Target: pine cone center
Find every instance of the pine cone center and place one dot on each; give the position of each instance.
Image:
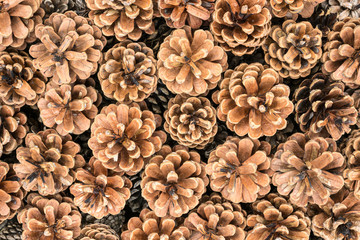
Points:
(240, 14)
(4, 7)
(344, 229)
(10, 76)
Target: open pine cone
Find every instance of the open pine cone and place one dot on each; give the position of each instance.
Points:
(252, 101)
(97, 232)
(189, 63)
(345, 8)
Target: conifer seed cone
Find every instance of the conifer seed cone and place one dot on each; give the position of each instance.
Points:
(97, 232)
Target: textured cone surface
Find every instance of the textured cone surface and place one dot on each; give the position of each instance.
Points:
(162, 30)
(345, 8)
(136, 202)
(61, 6)
(220, 137)
(281, 8)
(158, 100)
(11, 230)
(115, 222)
(98, 231)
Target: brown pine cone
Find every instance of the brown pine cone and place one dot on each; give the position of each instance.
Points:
(149, 226)
(13, 128)
(174, 181)
(217, 219)
(241, 26)
(70, 47)
(115, 222)
(293, 49)
(129, 72)
(282, 8)
(190, 63)
(61, 6)
(56, 218)
(323, 108)
(194, 12)
(345, 8)
(123, 136)
(47, 163)
(308, 170)
(238, 169)
(276, 218)
(68, 109)
(252, 101)
(123, 18)
(97, 232)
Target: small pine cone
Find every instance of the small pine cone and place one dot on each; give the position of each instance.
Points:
(97, 232)
(136, 202)
(68, 109)
(61, 6)
(159, 99)
(241, 177)
(13, 128)
(123, 136)
(252, 101)
(345, 8)
(123, 18)
(190, 63)
(55, 218)
(241, 26)
(70, 47)
(283, 8)
(149, 226)
(115, 222)
(47, 164)
(308, 170)
(129, 72)
(174, 181)
(191, 121)
(11, 230)
(276, 218)
(323, 108)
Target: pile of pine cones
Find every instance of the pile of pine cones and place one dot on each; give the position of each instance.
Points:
(179, 119)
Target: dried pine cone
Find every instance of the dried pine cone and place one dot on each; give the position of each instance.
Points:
(61, 6)
(115, 222)
(345, 8)
(11, 230)
(308, 170)
(281, 8)
(241, 26)
(70, 47)
(190, 63)
(293, 49)
(97, 232)
(275, 218)
(174, 181)
(252, 101)
(129, 72)
(47, 163)
(123, 136)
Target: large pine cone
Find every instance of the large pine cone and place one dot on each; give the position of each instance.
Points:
(129, 72)
(345, 8)
(174, 181)
(352, 171)
(97, 232)
(48, 161)
(323, 108)
(70, 47)
(190, 63)
(293, 49)
(275, 218)
(241, 26)
(309, 170)
(123, 136)
(252, 101)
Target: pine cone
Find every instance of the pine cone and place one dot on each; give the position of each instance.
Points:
(282, 8)
(123, 136)
(158, 100)
(136, 202)
(217, 219)
(149, 226)
(115, 222)
(356, 96)
(241, 26)
(13, 128)
(308, 170)
(190, 63)
(345, 8)
(252, 101)
(97, 232)
(70, 47)
(323, 108)
(12, 230)
(56, 218)
(47, 163)
(174, 181)
(129, 72)
(61, 6)
(123, 18)
(276, 218)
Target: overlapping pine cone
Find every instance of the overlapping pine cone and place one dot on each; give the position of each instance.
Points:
(174, 181)
(293, 49)
(190, 63)
(97, 232)
(191, 121)
(282, 8)
(54, 218)
(129, 72)
(149, 226)
(241, 26)
(193, 12)
(253, 101)
(124, 136)
(345, 8)
(123, 18)
(308, 170)
(275, 218)
(341, 57)
(323, 108)
(70, 47)
(47, 163)
(13, 128)
(238, 169)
